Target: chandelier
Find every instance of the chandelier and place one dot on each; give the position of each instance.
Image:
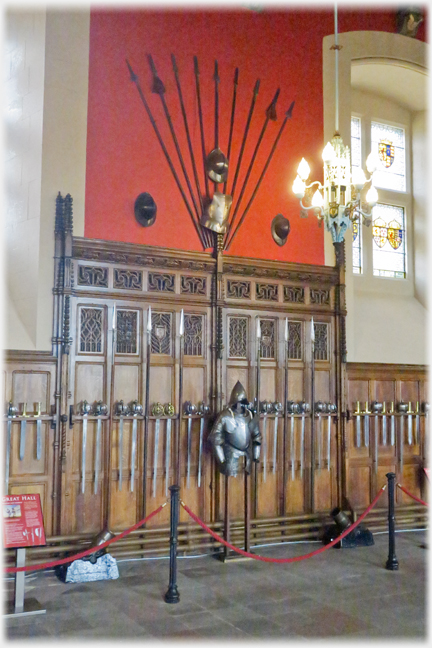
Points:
(347, 195)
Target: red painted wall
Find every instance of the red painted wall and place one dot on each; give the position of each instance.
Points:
(281, 48)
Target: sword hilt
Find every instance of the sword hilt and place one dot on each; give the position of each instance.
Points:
(24, 410)
(409, 410)
(392, 410)
(366, 410)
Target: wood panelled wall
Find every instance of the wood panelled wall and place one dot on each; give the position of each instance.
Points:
(101, 344)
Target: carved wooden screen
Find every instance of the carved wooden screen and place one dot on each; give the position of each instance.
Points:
(273, 294)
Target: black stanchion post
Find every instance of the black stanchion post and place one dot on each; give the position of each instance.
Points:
(392, 562)
(172, 595)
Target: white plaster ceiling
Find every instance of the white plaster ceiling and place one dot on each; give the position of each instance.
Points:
(406, 86)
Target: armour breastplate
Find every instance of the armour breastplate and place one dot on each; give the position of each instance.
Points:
(237, 432)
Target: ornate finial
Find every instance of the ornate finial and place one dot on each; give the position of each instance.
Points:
(59, 214)
(68, 211)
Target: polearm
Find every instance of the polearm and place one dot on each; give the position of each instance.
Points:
(231, 125)
(134, 78)
(203, 148)
(258, 385)
(216, 117)
(288, 115)
(189, 141)
(180, 400)
(285, 425)
(270, 115)
(146, 412)
(312, 438)
(245, 134)
(159, 89)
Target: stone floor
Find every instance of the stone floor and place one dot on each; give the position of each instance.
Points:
(341, 593)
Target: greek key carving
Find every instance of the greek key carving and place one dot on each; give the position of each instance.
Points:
(238, 289)
(238, 337)
(320, 296)
(294, 294)
(91, 330)
(266, 292)
(193, 335)
(193, 285)
(126, 331)
(93, 276)
(161, 282)
(128, 279)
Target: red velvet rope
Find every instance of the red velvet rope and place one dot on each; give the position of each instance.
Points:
(87, 551)
(411, 495)
(285, 560)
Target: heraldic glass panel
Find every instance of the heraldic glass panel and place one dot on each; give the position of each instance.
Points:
(388, 231)
(356, 142)
(388, 144)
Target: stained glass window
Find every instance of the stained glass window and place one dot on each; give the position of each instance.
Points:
(356, 161)
(388, 145)
(355, 142)
(388, 231)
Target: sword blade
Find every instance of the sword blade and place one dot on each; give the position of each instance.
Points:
(376, 443)
(292, 447)
(97, 455)
(83, 452)
(328, 441)
(358, 431)
(318, 438)
(38, 439)
(167, 454)
(302, 434)
(133, 452)
(384, 430)
(189, 449)
(275, 438)
(155, 455)
(410, 434)
(22, 440)
(120, 440)
(366, 430)
(8, 451)
(417, 429)
(201, 432)
(264, 442)
(392, 430)
(401, 443)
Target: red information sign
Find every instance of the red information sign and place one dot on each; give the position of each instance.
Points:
(22, 521)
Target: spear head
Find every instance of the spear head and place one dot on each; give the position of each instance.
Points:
(271, 110)
(133, 76)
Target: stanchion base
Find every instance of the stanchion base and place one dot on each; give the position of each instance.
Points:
(392, 564)
(31, 606)
(172, 595)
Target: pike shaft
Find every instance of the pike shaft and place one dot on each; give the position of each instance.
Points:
(287, 116)
(231, 124)
(203, 148)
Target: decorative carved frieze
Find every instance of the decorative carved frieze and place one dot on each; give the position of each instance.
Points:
(90, 340)
(193, 335)
(193, 285)
(321, 341)
(238, 289)
(266, 292)
(161, 333)
(294, 294)
(320, 296)
(128, 279)
(93, 276)
(161, 282)
(237, 334)
(127, 331)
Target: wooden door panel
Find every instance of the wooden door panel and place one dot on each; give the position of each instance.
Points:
(31, 387)
(89, 382)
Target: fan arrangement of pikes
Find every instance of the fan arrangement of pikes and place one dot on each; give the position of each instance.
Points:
(219, 212)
